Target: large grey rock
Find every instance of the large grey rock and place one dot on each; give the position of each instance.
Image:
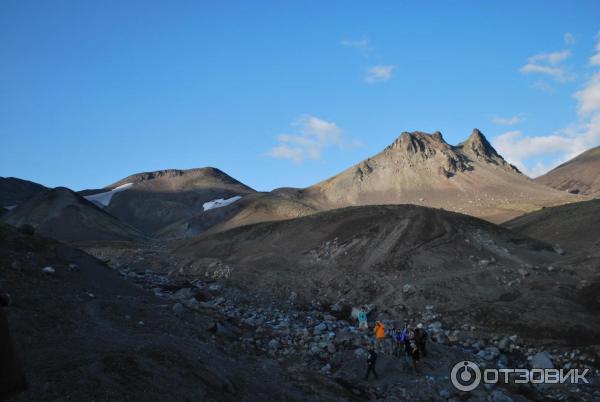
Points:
(542, 360)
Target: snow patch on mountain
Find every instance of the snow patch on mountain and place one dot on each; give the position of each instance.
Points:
(220, 202)
(103, 199)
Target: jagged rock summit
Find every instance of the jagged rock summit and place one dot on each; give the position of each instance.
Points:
(423, 169)
(478, 147)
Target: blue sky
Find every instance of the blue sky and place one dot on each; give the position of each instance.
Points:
(287, 93)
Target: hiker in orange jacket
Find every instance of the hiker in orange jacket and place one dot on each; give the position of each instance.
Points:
(379, 336)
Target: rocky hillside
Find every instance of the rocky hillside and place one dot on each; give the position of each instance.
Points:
(580, 175)
(15, 191)
(171, 202)
(573, 227)
(423, 169)
(85, 333)
(397, 257)
(64, 215)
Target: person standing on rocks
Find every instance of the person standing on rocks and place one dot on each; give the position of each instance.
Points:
(371, 360)
(421, 339)
(379, 336)
(397, 340)
(407, 337)
(362, 320)
(415, 355)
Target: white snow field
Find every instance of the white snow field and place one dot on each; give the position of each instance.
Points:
(103, 199)
(220, 202)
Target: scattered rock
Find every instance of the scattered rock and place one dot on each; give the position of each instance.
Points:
(499, 396)
(48, 270)
(326, 368)
(408, 289)
(504, 344)
(178, 309)
(331, 348)
(319, 328)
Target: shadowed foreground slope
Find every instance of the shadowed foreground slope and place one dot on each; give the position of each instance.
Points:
(83, 333)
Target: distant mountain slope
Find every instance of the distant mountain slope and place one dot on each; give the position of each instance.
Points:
(580, 175)
(64, 215)
(574, 226)
(165, 202)
(422, 169)
(15, 191)
(339, 247)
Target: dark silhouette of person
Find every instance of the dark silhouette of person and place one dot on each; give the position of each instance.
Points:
(12, 375)
(371, 360)
(421, 339)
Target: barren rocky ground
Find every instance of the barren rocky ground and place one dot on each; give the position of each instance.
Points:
(483, 292)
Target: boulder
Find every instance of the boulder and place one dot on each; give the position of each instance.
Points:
(541, 360)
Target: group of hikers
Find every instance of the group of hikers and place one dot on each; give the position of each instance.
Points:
(409, 341)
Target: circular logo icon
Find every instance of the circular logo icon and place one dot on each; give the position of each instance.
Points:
(465, 376)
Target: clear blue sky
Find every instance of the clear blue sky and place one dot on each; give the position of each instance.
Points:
(92, 91)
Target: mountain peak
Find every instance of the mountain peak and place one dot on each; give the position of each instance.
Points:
(478, 145)
(419, 142)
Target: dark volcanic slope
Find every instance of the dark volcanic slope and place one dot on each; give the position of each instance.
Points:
(579, 175)
(15, 191)
(84, 334)
(398, 257)
(165, 203)
(423, 169)
(575, 227)
(64, 215)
